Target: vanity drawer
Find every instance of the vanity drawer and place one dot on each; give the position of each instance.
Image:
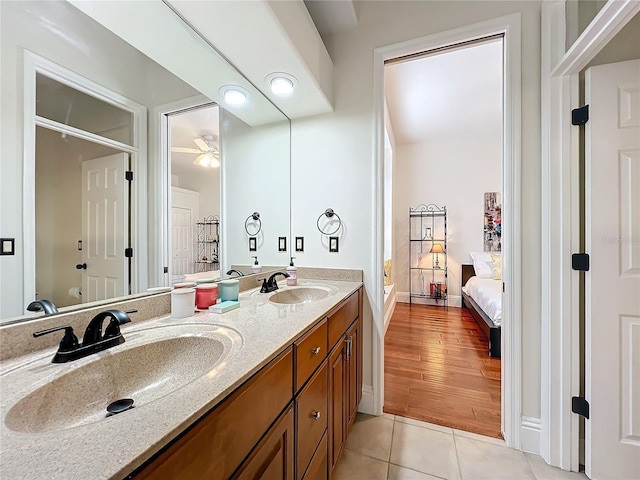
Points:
(218, 443)
(318, 466)
(310, 351)
(311, 418)
(341, 318)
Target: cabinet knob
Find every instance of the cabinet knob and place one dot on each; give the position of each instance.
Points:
(315, 351)
(315, 415)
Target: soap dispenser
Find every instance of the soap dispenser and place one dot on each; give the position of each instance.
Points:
(292, 270)
(256, 268)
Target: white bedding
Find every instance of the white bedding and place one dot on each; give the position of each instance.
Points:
(487, 293)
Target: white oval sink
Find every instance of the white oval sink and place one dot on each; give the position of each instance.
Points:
(157, 362)
(300, 295)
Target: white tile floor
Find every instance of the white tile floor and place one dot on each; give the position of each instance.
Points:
(397, 448)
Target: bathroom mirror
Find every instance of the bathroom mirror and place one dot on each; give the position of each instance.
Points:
(253, 146)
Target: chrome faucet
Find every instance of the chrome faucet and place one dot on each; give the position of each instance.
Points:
(93, 340)
(271, 285)
(233, 270)
(46, 305)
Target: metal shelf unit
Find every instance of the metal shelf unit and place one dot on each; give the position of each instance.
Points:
(428, 272)
(208, 244)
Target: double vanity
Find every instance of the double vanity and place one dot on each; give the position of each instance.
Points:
(268, 390)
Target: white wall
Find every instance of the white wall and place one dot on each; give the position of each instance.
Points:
(60, 33)
(452, 173)
(332, 155)
(255, 178)
(388, 196)
(207, 184)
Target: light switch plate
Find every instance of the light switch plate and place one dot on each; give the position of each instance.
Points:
(282, 244)
(333, 244)
(299, 244)
(7, 246)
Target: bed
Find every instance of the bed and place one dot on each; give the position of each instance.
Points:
(488, 293)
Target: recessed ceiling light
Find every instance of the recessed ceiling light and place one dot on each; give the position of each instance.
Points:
(234, 95)
(282, 84)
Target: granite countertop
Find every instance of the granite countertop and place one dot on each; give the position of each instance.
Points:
(104, 448)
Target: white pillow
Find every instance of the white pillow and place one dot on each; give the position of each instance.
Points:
(482, 264)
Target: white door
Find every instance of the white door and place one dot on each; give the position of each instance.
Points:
(181, 241)
(613, 282)
(105, 230)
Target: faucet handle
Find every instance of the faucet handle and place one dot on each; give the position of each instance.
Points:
(69, 341)
(118, 317)
(265, 287)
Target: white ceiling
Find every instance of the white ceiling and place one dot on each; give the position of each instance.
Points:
(332, 16)
(444, 92)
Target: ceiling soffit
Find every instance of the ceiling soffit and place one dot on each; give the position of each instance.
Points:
(261, 37)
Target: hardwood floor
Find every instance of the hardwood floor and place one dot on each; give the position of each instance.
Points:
(437, 369)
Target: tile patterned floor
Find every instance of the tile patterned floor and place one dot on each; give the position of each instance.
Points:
(391, 447)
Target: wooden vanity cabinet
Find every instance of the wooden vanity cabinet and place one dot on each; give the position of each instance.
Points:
(272, 459)
(345, 377)
(217, 444)
(289, 421)
(318, 466)
(311, 419)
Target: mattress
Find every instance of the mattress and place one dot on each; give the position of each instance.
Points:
(487, 293)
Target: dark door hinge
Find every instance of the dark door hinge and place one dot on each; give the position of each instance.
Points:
(128, 175)
(580, 262)
(580, 116)
(580, 406)
(128, 252)
(166, 269)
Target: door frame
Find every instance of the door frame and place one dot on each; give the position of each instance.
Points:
(560, 237)
(508, 26)
(33, 64)
(160, 186)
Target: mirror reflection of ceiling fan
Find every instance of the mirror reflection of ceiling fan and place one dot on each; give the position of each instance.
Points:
(208, 153)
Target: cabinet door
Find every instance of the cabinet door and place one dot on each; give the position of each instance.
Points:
(336, 404)
(352, 364)
(272, 459)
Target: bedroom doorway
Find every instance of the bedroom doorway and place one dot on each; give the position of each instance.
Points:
(444, 145)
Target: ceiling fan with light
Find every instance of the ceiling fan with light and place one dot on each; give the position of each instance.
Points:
(208, 153)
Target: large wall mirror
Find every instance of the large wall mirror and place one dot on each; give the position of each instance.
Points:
(83, 104)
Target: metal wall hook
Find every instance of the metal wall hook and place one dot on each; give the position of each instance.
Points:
(254, 217)
(329, 213)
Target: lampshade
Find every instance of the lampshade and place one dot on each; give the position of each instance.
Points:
(437, 248)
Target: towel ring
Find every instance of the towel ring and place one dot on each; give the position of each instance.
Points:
(329, 213)
(255, 216)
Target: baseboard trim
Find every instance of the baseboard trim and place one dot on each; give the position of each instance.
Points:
(454, 300)
(530, 435)
(366, 403)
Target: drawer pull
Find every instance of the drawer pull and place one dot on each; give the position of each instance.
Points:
(315, 351)
(315, 415)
